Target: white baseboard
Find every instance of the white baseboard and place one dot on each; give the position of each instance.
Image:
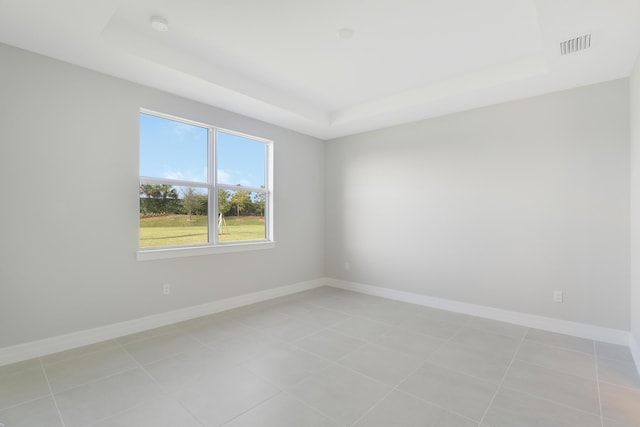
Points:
(634, 346)
(582, 330)
(21, 352)
(29, 350)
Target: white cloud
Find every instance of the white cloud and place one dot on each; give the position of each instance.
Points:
(224, 177)
(181, 129)
(174, 175)
(186, 176)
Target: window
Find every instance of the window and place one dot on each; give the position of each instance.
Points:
(202, 189)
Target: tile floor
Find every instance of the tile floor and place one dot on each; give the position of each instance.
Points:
(326, 358)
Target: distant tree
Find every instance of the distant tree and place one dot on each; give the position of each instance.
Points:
(190, 201)
(259, 200)
(159, 191)
(241, 199)
(158, 199)
(223, 202)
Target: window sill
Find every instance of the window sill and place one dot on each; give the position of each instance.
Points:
(165, 253)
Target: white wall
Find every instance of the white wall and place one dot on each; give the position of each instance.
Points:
(497, 206)
(69, 220)
(635, 209)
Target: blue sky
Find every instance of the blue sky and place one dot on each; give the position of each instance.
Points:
(176, 150)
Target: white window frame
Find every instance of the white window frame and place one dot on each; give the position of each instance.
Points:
(212, 185)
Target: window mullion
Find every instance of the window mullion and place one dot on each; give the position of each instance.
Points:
(213, 189)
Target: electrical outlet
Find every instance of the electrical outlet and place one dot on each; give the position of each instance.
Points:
(558, 296)
(347, 266)
(166, 289)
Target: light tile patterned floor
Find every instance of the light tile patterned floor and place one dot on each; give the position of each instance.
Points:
(327, 358)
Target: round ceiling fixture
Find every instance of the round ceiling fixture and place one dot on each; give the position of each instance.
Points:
(158, 23)
(345, 33)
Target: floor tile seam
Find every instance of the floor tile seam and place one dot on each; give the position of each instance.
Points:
(131, 353)
(324, 329)
(75, 359)
(353, 371)
(393, 389)
(120, 347)
(494, 332)
(475, 350)
(430, 335)
(375, 344)
(317, 410)
(281, 388)
(53, 397)
(242, 413)
(240, 316)
(394, 325)
(26, 402)
(34, 362)
(14, 374)
(166, 393)
(287, 343)
(160, 359)
(205, 343)
(620, 363)
(408, 353)
(179, 331)
(558, 371)
(138, 405)
(46, 364)
(86, 383)
(436, 405)
(554, 402)
(595, 352)
(615, 359)
(365, 343)
(490, 333)
(459, 372)
(500, 384)
(256, 406)
(213, 324)
(282, 392)
(635, 389)
(396, 388)
(330, 361)
(557, 345)
(214, 348)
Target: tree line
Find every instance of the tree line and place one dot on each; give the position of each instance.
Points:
(163, 199)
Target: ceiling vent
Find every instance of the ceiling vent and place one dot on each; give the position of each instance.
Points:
(576, 44)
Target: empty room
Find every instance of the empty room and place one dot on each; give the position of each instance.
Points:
(320, 214)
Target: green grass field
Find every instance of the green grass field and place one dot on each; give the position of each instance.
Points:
(179, 230)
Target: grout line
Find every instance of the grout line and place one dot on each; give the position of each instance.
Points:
(396, 387)
(553, 402)
(160, 386)
(184, 331)
(25, 402)
(53, 396)
(560, 347)
(250, 409)
(595, 353)
(316, 410)
(504, 377)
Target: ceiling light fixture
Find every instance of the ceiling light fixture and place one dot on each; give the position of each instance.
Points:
(345, 33)
(158, 23)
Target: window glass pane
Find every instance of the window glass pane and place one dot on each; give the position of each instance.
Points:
(241, 215)
(172, 149)
(240, 160)
(172, 215)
